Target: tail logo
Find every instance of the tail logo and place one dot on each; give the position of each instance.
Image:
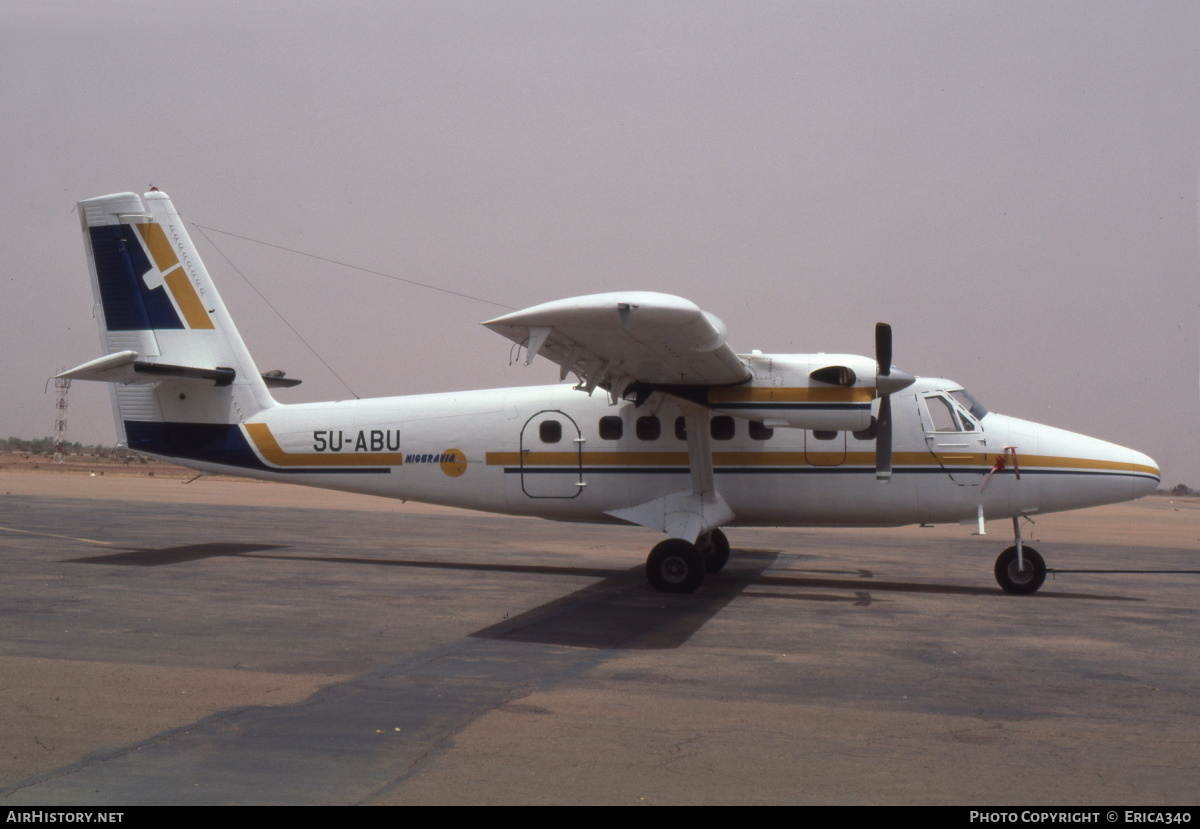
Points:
(143, 285)
(174, 276)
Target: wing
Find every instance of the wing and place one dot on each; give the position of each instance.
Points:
(612, 340)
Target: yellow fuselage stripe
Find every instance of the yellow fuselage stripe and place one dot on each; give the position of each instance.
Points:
(271, 452)
(770, 394)
(791, 459)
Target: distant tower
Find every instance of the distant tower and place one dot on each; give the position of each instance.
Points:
(60, 419)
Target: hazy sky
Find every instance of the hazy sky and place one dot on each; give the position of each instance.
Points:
(1012, 185)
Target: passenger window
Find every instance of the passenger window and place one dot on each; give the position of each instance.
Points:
(824, 434)
(681, 427)
(648, 428)
(721, 427)
(611, 428)
(760, 432)
(550, 431)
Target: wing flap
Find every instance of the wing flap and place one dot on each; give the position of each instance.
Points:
(617, 338)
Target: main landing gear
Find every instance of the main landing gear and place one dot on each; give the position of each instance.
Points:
(678, 566)
(1020, 570)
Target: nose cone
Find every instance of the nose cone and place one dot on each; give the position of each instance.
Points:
(1151, 477)
(1072, 470)
(1111, 473)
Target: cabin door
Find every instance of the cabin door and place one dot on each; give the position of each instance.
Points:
(551, 456)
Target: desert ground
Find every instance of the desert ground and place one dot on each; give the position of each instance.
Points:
(176, 641)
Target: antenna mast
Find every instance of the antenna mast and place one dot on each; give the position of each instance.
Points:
(63, 385)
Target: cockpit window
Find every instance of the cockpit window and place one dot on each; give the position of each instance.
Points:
(964, 398)
(942, 414)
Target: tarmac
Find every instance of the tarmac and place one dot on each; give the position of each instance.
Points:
(232, 642)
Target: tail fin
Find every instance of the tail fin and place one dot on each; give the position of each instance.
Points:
(171, 349)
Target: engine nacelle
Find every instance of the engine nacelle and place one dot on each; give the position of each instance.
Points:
(830, 392)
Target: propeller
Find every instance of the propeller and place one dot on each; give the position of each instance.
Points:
(888, 381)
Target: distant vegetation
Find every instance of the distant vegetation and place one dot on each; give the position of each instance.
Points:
(45, 446)
(1179, 489)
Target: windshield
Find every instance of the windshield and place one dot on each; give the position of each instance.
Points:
(964, 398)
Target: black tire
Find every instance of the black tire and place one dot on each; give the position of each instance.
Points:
(716, 554)
(675, 566)
(1019, 582)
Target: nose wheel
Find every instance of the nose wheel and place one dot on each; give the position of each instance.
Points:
(1020, 580)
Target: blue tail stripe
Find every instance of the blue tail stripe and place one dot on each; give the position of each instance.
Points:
(120, 265)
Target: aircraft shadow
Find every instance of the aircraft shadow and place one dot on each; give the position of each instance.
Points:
(142, 557)
(623, 611)
(620, 610)
(871, 586)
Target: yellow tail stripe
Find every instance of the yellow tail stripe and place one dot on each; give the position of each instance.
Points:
(160, 249)
(188, 301)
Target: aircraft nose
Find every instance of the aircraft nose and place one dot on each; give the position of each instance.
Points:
(1149, 481)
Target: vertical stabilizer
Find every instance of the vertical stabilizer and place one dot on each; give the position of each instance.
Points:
(171, 350)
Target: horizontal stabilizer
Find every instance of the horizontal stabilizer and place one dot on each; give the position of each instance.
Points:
(125, 367)
(113, 368)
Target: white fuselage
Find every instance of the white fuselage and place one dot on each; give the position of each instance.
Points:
(489, 450)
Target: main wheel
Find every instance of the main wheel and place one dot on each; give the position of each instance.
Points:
(675, 566)
(716, 554)
(1021, 582)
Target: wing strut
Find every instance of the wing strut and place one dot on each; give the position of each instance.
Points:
(690, 513)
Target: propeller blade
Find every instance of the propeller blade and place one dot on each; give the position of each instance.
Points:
(883, 441)
(883, 348)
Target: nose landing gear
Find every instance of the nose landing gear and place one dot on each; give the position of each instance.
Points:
(1015, 579)
(1020, 570)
